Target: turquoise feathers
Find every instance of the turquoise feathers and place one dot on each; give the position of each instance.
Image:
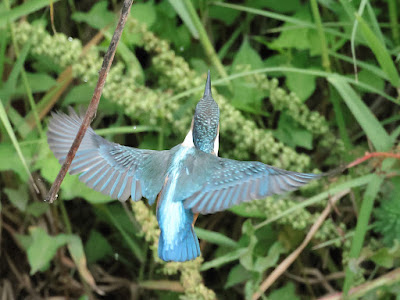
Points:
(185, 180)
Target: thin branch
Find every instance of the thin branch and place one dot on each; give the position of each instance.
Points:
(359, 291)
(284, 265)
(94, 103)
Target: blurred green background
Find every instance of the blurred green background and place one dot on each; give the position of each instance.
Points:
(302, 85)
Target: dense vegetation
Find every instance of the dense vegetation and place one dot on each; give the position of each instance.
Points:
(302, 85)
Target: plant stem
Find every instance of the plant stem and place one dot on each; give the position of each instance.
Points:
(324, 49)
(205, 41)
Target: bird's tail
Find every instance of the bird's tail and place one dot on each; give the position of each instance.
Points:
(186, 249)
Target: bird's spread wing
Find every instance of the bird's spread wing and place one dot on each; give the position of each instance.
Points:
(107, 167)
(229, 182)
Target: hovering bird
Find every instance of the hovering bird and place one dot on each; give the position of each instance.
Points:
(186, 180)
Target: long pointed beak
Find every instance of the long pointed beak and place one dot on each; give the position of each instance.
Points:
(207, 90)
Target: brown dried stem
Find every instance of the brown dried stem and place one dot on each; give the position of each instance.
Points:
(94, 103)
(284, 265)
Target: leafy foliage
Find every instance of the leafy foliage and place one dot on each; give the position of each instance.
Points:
(286, 87)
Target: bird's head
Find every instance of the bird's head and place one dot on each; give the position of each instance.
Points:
(206, 122)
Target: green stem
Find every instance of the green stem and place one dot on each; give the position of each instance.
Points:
(324, 49)
(394, 24)
(65, 217)
(205, 41)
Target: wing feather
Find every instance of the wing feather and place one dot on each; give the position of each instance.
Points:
(107, 167)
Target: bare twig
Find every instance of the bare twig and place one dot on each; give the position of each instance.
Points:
(94, 103)
(284, 265)
(369, 155)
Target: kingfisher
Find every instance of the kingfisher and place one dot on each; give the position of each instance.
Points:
(185, 181)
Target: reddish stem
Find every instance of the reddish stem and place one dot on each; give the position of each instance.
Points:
(369, 155)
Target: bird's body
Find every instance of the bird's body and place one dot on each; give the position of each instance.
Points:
(186, 180)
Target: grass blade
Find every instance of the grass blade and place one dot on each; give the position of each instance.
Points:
(368, 122)
(215, 238)
(6, 122)
(183, 13)
(380, 52)
(362, 227)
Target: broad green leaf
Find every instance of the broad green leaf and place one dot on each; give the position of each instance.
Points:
(145, 13)
(287, 292)
(181, 10)
(303, 85)
(37, 209)
(215, 238)
(39, 82)
(43, 248)
(22, 10)
(245, 93)
(274, 252)
(368, 122)
(380, 52)
(292, 134)
(98, 17)
(383, 258)
(19, 198)
(97, 247)
(237, 274)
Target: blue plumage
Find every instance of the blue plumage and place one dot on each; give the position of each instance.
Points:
(186, 180)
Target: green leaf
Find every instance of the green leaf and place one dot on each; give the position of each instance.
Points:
(98, 17)
(215, 238)
(220, 13)
(19, 198)
(39, 82)
(37, 209)
(370, 79)
(237, 274)
(383, 258)
(97, 247)
(224, 259)
(287, 292)
(303, 85)
(274, 252)
(380, 52)
(144, 13)
(22, 10)
(368, 122)
(245, 93)
(290, 133)
(43, 248)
